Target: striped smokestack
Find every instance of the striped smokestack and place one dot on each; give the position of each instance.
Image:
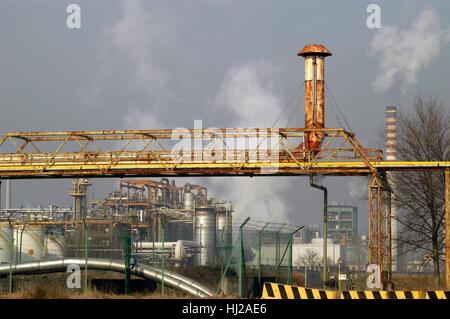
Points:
(391, 155)
(391, 133)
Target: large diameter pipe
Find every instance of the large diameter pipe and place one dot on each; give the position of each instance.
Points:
(170, 279)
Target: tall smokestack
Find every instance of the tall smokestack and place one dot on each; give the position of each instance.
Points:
(391, 133)
(391, 155)
(314, 55)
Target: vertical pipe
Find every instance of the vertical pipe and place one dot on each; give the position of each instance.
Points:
(325, 227)
(447, 228)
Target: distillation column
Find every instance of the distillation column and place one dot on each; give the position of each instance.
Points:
(314, 55)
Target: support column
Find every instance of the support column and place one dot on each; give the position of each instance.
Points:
(447, 228)
(370, 220)
(389, 236)
(379, 229)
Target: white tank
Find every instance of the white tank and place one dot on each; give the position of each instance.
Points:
(29, 243)
(55, 246)
(188, 200)
(5, 236)
(205, 234)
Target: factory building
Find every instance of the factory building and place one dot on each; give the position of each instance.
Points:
(342, 223)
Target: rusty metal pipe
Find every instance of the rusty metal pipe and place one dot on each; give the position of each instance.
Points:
(314, 55)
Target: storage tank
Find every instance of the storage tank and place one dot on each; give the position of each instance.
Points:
(205, 234)
(30, 242)
(6, 233)
(55, 246)
(188, 200)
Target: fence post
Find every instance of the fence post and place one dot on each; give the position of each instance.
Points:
(291, 241)
(163, 254)
(127, 255)
(85, 233)
(221, 250)
(259, 255)
(11, 256)
(241, 258)
(153, 242)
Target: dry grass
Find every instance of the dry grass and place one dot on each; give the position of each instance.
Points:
(45, 291)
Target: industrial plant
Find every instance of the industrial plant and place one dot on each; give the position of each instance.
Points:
(178, 221)
(153, 228)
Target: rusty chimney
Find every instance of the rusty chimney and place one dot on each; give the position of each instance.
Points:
(314, 55)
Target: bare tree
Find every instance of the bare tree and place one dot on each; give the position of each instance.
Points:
(422, 135)
(310, 259)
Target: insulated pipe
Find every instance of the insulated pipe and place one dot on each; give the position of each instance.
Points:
(314, 55)
(171, 279)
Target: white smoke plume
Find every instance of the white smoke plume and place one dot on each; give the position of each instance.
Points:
(358, 189)
(404, 53)
(249, 92)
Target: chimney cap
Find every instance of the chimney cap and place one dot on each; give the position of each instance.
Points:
(391, 108)
(314, 49)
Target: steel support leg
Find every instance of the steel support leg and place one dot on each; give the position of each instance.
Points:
(447, 228)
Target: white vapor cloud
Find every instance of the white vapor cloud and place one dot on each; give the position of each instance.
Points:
(404, 53)
(358, 189)
(249, 92)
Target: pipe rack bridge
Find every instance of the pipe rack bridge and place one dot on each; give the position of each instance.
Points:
(170, 278)
(192, 152)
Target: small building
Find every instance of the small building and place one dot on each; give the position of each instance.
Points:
(342, 223)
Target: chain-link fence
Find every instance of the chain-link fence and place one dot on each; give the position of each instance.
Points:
(233, 260)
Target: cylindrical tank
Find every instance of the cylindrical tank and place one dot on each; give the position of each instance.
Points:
(55, 246)
(188, 200)
(29, 242)
(6, 234)
(205, 234)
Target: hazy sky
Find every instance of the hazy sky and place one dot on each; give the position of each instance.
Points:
(155, 64)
